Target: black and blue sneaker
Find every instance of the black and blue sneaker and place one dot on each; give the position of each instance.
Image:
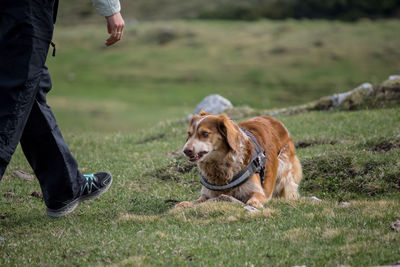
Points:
(93, 186)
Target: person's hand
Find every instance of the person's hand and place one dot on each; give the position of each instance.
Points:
(115, 27)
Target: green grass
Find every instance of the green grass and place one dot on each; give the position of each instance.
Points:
(134, 223)
(121, 109)
(261, 64)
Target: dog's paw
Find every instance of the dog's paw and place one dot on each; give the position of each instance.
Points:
(184, 204)
(254, 202)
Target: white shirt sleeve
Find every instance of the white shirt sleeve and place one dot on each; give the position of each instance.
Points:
(107, 7)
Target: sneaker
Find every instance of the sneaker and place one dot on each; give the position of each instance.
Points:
(94, 185)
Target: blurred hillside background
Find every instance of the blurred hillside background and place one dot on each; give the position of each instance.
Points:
(259, 53)
(349, 10)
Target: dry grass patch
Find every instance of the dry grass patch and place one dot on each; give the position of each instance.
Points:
(160, 234)
(264, 213)
(376, 209)
(328, 212)
(210, 212)
(350, 249)
(329, 233)
(301, 235)
(138, 218)
(131, 261)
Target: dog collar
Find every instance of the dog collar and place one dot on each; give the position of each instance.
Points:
(256, 165)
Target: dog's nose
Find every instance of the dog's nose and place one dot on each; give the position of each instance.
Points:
(188, 152)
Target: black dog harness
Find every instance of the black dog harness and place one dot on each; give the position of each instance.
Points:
(256, 165)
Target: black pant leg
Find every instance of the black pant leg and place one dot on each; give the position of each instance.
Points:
(24, 114)
(21, 61)
(47, 152)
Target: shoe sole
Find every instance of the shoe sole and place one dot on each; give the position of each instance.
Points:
(73, 204)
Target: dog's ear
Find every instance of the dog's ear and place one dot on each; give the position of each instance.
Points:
(229, 131)
(203, 113)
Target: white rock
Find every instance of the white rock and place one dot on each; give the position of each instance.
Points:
(213, 104)
(313, 198)
(394, 77)
(251, 209)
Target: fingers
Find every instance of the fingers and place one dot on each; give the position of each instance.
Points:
(115, 26)
(119, 33)
(111, 40)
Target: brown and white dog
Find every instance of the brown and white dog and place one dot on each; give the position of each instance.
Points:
(221, 149)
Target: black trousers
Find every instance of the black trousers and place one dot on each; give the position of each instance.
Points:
(26, 28)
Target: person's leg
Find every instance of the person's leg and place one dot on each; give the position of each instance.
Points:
(22, 58)
(47, 152)
(24, 81)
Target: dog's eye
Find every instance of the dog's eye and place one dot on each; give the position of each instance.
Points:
(204, 134)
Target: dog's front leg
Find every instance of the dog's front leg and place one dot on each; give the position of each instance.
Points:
(185, 204)
(256, 200)
(257, 197)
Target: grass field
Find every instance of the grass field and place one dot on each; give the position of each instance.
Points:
(122, 110)
(260, 64)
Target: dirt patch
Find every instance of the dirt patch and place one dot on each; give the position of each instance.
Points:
(37, 194)
(278, 50)
(383, 145)
(304, 144)
(174, 170)
(343, 176)
(395, 226)
(9, 195)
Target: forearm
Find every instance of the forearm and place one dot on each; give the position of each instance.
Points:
(107, 7)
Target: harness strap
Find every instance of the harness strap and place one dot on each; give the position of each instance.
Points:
(256, 165)
(259, 157)
(47, 40)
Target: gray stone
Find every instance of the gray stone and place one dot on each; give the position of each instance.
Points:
(337, 99)
(214, 104)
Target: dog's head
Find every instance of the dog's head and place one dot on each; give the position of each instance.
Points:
(211, 136)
